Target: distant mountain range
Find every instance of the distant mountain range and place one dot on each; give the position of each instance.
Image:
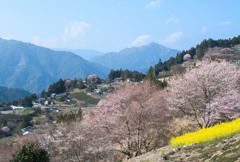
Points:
(12, 94)
(33, 68)
(84, 53)
(135, 58)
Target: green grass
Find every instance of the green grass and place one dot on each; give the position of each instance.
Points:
(28, 111)
(82, 96)
(74, 110)
(70, 103)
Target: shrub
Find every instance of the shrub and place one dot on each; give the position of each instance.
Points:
(30, 153)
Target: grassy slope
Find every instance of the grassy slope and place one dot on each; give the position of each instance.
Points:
(225, 150)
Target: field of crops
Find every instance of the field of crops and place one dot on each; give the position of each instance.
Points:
(82, 96)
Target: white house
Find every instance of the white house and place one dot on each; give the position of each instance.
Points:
(17, 107)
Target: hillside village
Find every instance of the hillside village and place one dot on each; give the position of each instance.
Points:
(148, 105)
(77, 94)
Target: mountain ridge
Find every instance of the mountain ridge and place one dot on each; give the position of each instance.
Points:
(84, 53)
(33, 68)
(135, 58)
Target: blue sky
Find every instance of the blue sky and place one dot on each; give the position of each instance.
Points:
(111, 25)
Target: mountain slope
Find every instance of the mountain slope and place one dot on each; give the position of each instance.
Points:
(24, 65)
(136, 58)
(84, 53)
(12, 94)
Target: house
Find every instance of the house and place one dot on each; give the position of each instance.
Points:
(36, 104)
(48, 102)
(53, 95)
(27, 130)
(106, 80)
(117, 79)
(128, 80)
(99, 91)
(63, 95)
(40, 100)
(58, 96)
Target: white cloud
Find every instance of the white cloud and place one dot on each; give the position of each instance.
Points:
(153, 4)
(204, 29)
(225, 23)
(73, 30)
(76, 28)
(173, 19)
(141, 40)
(172, 38)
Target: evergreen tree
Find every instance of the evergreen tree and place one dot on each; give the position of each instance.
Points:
(200, 53)
(151, 73)
(43, 94)
(58, 87)
(26, 102)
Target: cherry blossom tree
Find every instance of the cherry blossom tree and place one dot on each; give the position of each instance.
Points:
(129, 120)
(201, 92)
(226, 108)
(66, 142)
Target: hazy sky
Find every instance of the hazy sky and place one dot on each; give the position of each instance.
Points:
(111, 25)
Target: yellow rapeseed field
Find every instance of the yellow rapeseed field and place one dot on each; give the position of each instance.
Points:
(208, 134)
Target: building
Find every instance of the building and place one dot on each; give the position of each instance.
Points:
(27, 130)
(17, 107)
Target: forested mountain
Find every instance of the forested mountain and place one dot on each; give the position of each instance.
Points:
(33, 68)
(135, 58)
(195, 53)
(12, 94)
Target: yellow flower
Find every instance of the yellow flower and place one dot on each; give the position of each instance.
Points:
(208, 134)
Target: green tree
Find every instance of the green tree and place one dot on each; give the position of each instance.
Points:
(33, 96)
(200, 53)
(151, 73)
(30, 153)
(26, 102)
(26, 121)
(81, 85)
(58, 87)
(43, 94)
